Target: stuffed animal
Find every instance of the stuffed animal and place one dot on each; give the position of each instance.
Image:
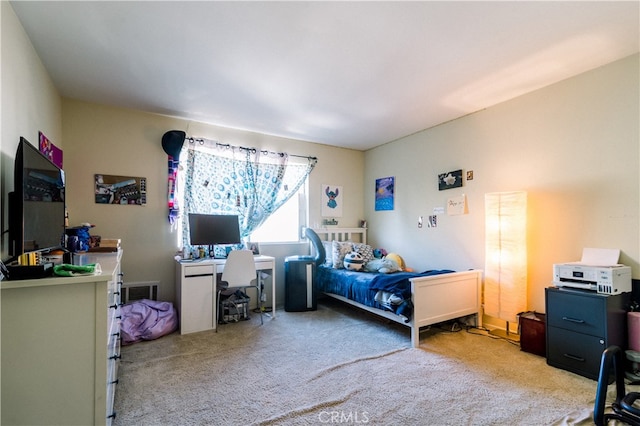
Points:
(400, 261)
(384, 266)
(353, 261)
(396, 258)
(379, 253)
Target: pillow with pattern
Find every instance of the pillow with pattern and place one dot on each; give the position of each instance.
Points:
(339, 250)
(364, 250)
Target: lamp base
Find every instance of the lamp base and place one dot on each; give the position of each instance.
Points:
(505, 335)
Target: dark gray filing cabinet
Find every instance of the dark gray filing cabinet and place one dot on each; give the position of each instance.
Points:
(581, 324)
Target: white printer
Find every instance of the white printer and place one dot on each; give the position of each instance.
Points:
(614, 279)
(598, 270)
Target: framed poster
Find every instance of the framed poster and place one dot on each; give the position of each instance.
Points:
(332, 201)
(450, 180)
(122, 190)
(385, 190)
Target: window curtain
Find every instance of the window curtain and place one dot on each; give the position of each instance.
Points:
(223, 179)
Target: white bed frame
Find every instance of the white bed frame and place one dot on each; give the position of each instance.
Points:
(435, 298)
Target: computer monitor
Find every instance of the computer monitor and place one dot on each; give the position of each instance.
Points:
(213, 229)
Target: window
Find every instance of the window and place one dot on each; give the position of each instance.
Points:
(220, 179)
(284, 225)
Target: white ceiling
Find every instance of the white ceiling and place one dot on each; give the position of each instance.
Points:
(351, 74)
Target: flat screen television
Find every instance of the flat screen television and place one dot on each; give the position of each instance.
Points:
(37, 203)
(213, 229)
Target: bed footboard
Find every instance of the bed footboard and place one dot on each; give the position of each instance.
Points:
(445, 297)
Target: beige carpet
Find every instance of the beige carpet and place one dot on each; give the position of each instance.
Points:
(339, 365)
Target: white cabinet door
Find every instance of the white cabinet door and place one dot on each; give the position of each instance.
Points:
(198, 313)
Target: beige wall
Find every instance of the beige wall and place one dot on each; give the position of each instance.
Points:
(100, 139)
(105, 140)
(30, 102)
(573, 146)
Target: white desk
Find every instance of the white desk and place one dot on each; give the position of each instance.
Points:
(196, 291)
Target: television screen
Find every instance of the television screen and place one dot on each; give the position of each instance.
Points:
(37, 205)
(213, 229)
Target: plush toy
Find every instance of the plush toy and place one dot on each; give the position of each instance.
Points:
(353, 261)
(384, 266)
(396, 258)
(379, 253)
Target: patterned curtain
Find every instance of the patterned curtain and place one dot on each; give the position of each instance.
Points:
(222, 179)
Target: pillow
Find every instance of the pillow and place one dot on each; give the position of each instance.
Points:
(339, 250)
(364, 250)
(328, 253)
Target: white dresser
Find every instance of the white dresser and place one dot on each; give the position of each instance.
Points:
(61, 347)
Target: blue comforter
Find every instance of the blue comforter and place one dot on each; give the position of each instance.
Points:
(398, 282)
(362, 287)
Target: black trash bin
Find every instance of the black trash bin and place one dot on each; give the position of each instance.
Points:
(299, 286)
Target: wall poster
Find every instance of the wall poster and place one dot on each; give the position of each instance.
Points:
(122, 190)
(331, 201)
(450, 180)
(385, 190)
(457, 205)
(49, 150)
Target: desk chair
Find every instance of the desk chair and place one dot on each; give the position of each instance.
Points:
(624, 410)
(240, 272)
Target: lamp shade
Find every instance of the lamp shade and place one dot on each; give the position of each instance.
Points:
(505, 281)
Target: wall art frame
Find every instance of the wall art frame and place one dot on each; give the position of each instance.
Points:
(385, 193)
(450, 180)
(122, 190)
(332, 196)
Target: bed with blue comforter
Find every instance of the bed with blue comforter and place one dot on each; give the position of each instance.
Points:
(414, 299)
(390, 292)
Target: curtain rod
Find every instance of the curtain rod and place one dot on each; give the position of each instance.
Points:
(202, 141)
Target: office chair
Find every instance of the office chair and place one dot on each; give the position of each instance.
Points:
(623, 407)
(240, 272)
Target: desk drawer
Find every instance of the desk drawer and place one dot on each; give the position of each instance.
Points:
(577, 312)
(265, 264)
(198, 270)
(260, 265)
(576, 352)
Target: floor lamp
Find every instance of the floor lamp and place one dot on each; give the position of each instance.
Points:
(505, 280)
